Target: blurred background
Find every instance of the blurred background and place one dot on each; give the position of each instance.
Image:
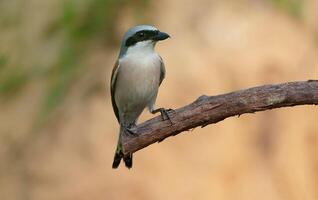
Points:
(58, 132)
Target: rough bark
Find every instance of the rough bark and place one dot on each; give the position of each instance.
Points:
(212, 109)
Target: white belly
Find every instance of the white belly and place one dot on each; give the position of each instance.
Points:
(136, 85)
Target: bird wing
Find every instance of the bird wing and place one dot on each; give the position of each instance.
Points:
(112, 88)
(162, 71)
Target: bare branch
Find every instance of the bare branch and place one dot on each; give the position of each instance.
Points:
(212, 109)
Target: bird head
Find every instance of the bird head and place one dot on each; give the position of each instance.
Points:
(141, 37)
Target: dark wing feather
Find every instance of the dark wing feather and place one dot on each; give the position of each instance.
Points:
(162, 71)
(112, 88)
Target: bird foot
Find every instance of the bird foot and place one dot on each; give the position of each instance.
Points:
(164, 113)
(130, 129)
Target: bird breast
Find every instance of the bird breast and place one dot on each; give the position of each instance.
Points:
(137, 81)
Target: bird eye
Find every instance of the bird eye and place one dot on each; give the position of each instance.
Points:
(141, 34)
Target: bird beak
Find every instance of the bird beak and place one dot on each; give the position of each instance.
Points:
(161, 36)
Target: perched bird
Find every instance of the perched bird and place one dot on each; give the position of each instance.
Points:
(136, 77)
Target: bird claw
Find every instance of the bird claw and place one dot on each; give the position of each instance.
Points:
(131, 129)
(164, 113)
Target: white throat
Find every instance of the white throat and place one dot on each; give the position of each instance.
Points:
(143, 48)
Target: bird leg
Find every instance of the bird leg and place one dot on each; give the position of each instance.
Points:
(164, 113)
(131, 129)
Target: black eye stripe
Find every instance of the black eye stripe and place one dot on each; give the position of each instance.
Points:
(140, 36)
(148, 32)
(130, 41)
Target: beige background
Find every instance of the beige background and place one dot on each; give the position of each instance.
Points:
(216, 47)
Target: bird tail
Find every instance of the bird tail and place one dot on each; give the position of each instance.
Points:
(128, 159)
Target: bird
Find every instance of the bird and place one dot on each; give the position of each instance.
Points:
(137, 74)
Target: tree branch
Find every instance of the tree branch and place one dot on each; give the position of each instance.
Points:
(212, 109)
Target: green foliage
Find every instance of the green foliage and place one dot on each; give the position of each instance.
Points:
(293, 7)
(11, 81)
(3, 62)
(80, 23)
(97, 19)
(79, 27)
(60, 79)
